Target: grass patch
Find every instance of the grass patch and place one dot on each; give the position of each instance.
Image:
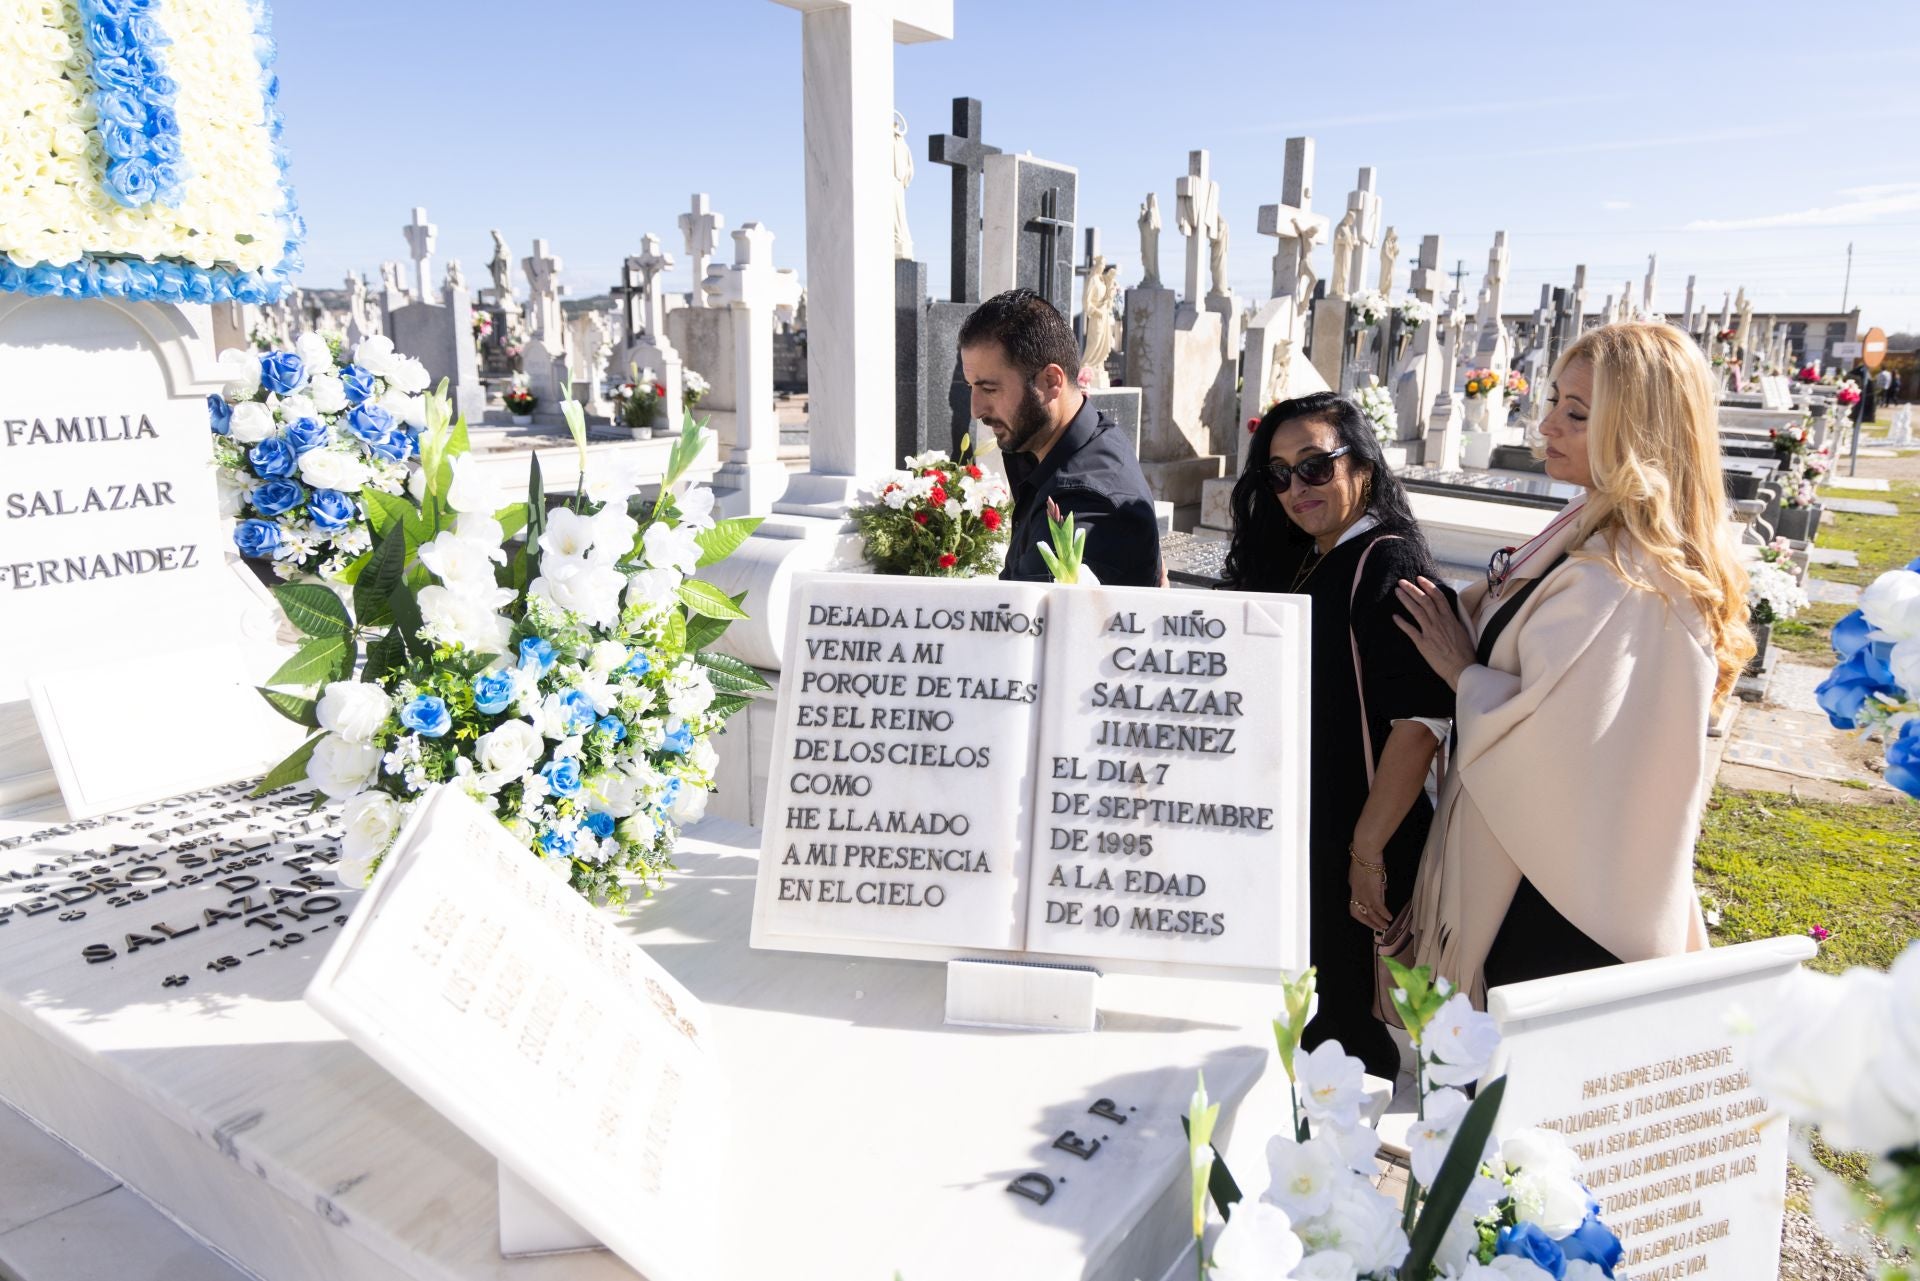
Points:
(1881, 542)
(1773, 865)
(1807, 634)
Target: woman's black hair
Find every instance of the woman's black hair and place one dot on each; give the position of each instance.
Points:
(1263, 534)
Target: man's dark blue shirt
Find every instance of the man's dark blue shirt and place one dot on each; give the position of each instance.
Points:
(1091, 471)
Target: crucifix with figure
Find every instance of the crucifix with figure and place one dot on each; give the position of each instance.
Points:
(967, 155)
(1292, 222)
(642, 270)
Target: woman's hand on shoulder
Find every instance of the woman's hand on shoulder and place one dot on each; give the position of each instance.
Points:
(1436, 629)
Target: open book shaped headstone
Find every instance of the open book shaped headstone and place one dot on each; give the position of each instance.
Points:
(525, 1016)
(1015, 771)
(1641, 1069)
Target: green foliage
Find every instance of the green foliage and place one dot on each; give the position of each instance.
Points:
(725, 538)
(1456, 1174)
(705, 599)
(319, 660)
(314, 609)
(291, 770)
(301, 711)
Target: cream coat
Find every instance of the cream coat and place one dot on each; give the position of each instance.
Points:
(1580, 764)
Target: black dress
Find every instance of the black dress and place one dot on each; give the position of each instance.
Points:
(1400, 685)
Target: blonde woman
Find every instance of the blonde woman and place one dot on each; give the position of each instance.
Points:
(1564, 837)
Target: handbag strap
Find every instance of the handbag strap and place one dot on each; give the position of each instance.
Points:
(1483, 653)
(1353, 642)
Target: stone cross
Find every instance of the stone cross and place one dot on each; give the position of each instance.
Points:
(420, 236)
(753, 291)
(967, 155)
(647, 265)
(1198, 211)
(847, 119)
(543, 301)
(1689, 321)
(1293, 220)
(1424, 281)
(1646, 287)
(701, 227)
(1366, 205)
(1051, 227)
(1579, 298)
(1495, 291)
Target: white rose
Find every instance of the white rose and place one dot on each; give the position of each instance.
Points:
(689, 804)
(1363, 1223)
(409, 375)
(252, 422)
(232, 488)
(369, 822)
(1905, 662)
(1554, 1201)
(1257, 1244)
(639, 828)
(1891, 604)
(328, 392)
(240, 370)
(341, 769)
(1304, 1176)
(464, 564)
(297, 406)
(469, 491)
(467, 618)
(653, 587)
(703, 757)
(613, 534)
(568, 534)
(410, 410)
(376, 356)
(605, 656)
(613, 794)
(354, 710)
(332, 469)
(672, 547)
(696, 507)
(314, 353)
(583, 588)
(509, 750)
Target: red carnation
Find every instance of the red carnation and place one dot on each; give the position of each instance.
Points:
(938, 497)
(920, 518)
(973, 471)
(948, 560)
(990, 517)
(1253, 425)
(659, 389)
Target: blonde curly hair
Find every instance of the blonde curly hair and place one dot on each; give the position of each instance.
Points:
(1654, 446)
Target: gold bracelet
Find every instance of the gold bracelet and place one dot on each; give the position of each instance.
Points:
(1381, 868)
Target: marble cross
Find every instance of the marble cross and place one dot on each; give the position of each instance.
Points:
(543, 302)
(1198, 212)
(1366, 206)
(1579, 298)
(1689, 325)
(1494, 292)
(1293, 220)
(648, 264)
(967, 155)
(1646, 288)
(701, 227)
(1424, 283)
(421, 235)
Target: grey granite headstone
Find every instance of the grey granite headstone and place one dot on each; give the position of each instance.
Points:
(948, 409)
(963, 150)
(910, 369)
(1027, 241)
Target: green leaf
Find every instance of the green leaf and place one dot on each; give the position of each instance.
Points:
(301, 711)
(314, 609)
(702, 632)
(704, 598)
(1220, 1181)
(724, 539)
(291, 770)
(407, 620)
(725, 668)
(676, 638)
(376, 582)
(385, 656)
(350, 574)
(536, 508)
(316, 662)
(384, 510)
(512, 518)
(685, 450)
(1456, 1174)
(725, 705)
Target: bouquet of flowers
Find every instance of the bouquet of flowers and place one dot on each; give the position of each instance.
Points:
(1473, 1210)
(1840, 1052)
(939, 518)
(299, 441)
(1481, 381)
(1777, 552)
(1369, 307)
(1809, 373)
(1849, 393)
(1773, 593)
(482, 326)
(1874, 687)
(639, 399)
(518, 399)
(1516, 385)
(1415, 313)
(1790, 439)
(693, 389)
(1376, 402)
(560, 683)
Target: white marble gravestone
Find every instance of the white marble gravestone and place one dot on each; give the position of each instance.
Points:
(1641, 1070)
(113, 555)
(1016, 771)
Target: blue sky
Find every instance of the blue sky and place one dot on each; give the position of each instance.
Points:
(1746, 149)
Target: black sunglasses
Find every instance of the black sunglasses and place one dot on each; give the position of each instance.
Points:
(1317, 470)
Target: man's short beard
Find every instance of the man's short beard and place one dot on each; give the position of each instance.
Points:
(1030, 421)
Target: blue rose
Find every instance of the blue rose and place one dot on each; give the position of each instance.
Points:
(282, 372)
(330, 510)
(256, 538)
(613, 727)
(1593, 1242)
(395, 447)
(639, 665)
(45, 282)
(358, 382)
(679, 739)
(123, 108)
(601, 825)
(1852, 683)
(1529, 1242)
(1903, 759)
(307, 433)
(278, 496)
(370, 423)
(132, 181)
(536, 651)
(123, 142)
(580, 711)
(272, 457)
(164, 150)
(160, 122)
(563, 776)
(159, 90)
(557, 844)
(672, 793)
(110, 37)
(1850, 634)
(493, 692)
(426, 715)
(115, 73)
(219, 414)
(143, 28)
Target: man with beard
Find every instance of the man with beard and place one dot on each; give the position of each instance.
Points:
(1020, 359)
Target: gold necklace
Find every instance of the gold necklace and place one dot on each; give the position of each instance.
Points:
(1300, 577)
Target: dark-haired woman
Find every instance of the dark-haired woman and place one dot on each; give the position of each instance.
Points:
(1317, 512)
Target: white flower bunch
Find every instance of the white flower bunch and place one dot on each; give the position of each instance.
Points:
(1370, 307)
(1376, 402)
(1415, 313)
(1773, 593)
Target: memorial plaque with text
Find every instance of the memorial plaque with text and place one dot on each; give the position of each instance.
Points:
(1639, 1069)
(526, 1016)
(988, 768)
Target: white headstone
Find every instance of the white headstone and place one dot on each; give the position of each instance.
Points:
(1365, 205)
(752, 290)
(421, 236)
(1198, 212)
(701, 226)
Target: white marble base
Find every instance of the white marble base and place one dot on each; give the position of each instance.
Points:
(1033, 998)
(531, 1225)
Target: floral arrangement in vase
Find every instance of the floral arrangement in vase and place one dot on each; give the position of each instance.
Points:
(1773, 593)
(1790, 439)
(1808, 373)
(938, 518)
(1849, 393)
(300, 440)
(1415, 313)
(1515, 386)
(1369, 306)
(519, 400)
(482, 326)
(1376, 402)
(562, 683)
(1473, 1210)
(638, 399)
(1481, 382)
(693, 389)
(1873, 689)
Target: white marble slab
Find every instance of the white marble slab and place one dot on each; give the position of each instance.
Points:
(1640, 1070)
(862, 1136)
